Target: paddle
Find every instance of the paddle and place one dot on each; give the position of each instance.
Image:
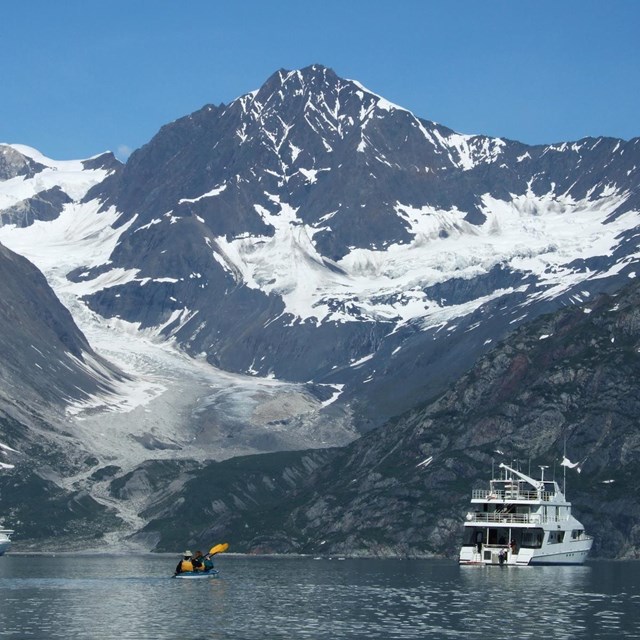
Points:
(219, 548)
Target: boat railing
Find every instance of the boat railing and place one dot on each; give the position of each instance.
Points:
(512, 518)
(511, 494)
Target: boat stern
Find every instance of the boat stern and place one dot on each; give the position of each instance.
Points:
(495, 555)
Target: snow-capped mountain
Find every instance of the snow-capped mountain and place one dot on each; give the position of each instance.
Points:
(313, 231)
(280, 271)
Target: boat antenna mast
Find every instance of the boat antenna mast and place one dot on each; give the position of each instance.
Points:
(564, 467)
(537, 484)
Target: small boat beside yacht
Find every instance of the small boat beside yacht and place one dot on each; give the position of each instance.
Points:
(5, 540)
(522, 521)
(5, 534)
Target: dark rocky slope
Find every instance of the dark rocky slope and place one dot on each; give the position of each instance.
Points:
(43, 354)
(45, 363)
(569, 377)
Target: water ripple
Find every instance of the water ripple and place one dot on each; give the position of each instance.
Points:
(106, 598)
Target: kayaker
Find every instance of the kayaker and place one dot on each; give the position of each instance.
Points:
(185, 564)
(207, 563)
(196, 561)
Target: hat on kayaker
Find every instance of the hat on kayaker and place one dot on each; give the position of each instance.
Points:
(187, 554)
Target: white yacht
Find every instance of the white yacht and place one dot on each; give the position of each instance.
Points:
(522, 521)
(5, 540)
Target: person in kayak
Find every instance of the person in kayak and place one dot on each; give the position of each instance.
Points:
(185, 564)
(196, 561)
(207, 563)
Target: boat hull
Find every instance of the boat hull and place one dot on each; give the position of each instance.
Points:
(567, 557)
(575, 554)
(197, 575)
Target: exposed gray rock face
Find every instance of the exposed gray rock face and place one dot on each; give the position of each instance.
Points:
(105, 161)
(46, 205)
(14, 164)
(44, 354)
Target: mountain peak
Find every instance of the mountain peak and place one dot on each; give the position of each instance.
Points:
(311, 75)
(316, 101)
(307, 82)
(320, 80)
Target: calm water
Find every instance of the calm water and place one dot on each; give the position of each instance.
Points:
(116, 597)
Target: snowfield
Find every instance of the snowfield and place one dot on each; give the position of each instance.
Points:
(173, 406)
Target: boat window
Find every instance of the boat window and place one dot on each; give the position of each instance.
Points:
(556, 537)
(532, 538)
(577, 533)
(472, 537)
(493, 536)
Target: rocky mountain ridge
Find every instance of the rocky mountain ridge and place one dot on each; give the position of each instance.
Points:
(45, 357)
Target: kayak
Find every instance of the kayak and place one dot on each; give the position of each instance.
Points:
(196, 575)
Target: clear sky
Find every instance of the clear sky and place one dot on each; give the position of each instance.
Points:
(78, 77)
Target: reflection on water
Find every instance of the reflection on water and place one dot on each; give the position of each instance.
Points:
(533, 598)
(133, 598)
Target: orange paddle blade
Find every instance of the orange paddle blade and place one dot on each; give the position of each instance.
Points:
(219, 548)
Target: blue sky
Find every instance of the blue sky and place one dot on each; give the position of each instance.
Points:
(79, 77)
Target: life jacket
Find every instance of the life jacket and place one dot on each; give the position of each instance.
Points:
(186, 565)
